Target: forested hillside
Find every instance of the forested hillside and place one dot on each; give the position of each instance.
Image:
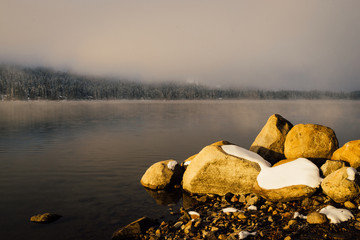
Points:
(21, 83)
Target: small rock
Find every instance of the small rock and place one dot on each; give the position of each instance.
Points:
(306, 202)
(349, 205)
(357, 225)
(331, 166)
(45, 218)
(178, 224)
(242, 198)
(316, 218)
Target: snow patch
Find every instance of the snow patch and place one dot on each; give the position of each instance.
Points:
(230, 210)
(245, 234)
(298, 215)
(336, 215)
(193, 213)
(298, 172)
(187, 163)
(171, 165)
(246, 154)
(252, 207)
(351, 172)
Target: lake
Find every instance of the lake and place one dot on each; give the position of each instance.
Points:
(84, 160)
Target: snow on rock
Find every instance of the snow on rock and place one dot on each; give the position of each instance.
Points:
(298, 172)
(351, 172)
(245, 234)
(187, 163)
(194, 215)
(230, 210)
(298, 215)
(336, 215)
(252, 207)
(246, 154)
(171, 165)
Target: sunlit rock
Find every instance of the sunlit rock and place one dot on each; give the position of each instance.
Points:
(350, 153)
(45, 218)
(269, 143)
(221, 168)
(310, 141)
(162, 175)
(342, 185)
(331, 166)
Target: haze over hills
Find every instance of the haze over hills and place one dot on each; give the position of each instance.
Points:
(24, 83)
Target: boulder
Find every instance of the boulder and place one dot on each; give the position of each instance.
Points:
(342, 185)
(214, 171)
(331, 166)
(134, 229)
(350, 153)
(310, 141)
(287, 181)
(162, 174)
(45, 218)
(269, 143)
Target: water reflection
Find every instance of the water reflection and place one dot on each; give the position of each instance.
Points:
(165, 197)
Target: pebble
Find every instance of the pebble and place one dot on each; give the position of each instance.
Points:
(349, 205)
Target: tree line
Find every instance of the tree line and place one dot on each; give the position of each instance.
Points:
(24, 83)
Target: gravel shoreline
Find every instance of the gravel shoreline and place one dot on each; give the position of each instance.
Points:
(269, 220)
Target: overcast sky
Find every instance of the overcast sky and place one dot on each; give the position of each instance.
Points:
(287, 44)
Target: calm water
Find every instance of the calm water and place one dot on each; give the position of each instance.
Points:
(84, 160)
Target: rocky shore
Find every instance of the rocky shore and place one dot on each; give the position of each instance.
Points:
(293, 183)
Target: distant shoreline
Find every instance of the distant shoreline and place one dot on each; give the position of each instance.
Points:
(21, 83)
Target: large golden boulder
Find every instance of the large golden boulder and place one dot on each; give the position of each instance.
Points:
(219, 169)
(269, 143)
(350, 153)
(162, 174)
(310, 141)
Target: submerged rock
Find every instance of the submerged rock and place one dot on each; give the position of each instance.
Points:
(134, 229)
(310, 141)
(269, 143)
(350, 153)
(217, 172)
(162, 175)
(45, 218)
(342, 185)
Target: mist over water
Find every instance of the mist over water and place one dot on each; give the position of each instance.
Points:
(301, 45)
(84, 160)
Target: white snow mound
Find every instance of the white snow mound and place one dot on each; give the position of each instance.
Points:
(194, 213)
(298, 215)
(230, 210)
(246, 154)
(245, 234)
(252, 207)
(336, 215)
(171, 165)
(298, 172)
(351, 172)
